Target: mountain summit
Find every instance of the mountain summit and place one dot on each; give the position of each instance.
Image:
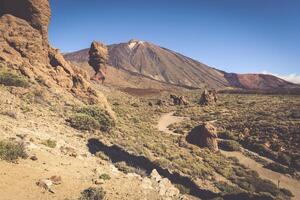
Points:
(164, 65)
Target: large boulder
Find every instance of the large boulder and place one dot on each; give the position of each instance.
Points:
(204, 135)
(178, 100)
(208, 97)
(98, 57)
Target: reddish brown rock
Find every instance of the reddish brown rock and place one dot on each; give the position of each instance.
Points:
(204, 135)
(36, 12)
(178, 100)
(98, 57)
(208, 97)
(24, 48)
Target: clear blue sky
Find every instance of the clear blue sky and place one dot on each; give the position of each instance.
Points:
(233, 35)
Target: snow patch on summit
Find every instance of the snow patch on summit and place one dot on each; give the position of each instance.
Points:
(132, 43)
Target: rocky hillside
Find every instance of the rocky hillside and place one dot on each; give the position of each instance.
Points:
(164, 65)
(25, 50)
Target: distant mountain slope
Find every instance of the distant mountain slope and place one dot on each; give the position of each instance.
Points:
(257, 81)
(167, 66)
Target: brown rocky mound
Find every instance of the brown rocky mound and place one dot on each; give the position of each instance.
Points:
(204, 135)
(178, 100)
(208, 97)
(98, 57)
(24, 47)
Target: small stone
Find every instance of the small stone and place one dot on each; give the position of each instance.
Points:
(155, 175)
(44, 183)
(34, 158)
(98, 182)
(56, 180)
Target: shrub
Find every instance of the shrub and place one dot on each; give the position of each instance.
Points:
(83, 122)
(104, 119)
(278, 168)
(104, 177)
(49, 143)
(229, 145)
(284, 159)
(10, 151)
(226, 188)
(92, 193)
(286, 192)
(123, 167)
(296, 163)
(227, 135)
(183, 189)
(8, 78)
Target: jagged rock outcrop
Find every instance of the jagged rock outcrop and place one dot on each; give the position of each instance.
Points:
(24, 47)
(178, 100)
(98, 57)
(208, 97)
(204, 135)
(36, 12)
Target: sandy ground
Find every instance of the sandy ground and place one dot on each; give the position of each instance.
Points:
(166, 120)
(78, 172)
(285, 181)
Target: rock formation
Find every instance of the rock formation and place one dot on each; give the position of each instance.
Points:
(98, 56)
(36, 12)
(24, 47)
(204, 135)
(178, 100)
(208, 97)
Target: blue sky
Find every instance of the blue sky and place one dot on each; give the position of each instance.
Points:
(240, 36)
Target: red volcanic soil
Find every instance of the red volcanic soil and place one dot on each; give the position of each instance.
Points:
(141, 92)
(257, 81)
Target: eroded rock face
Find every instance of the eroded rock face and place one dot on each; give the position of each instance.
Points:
(204, 135)
(24, 47)
(98, 57)
(208, 97)
(36, 12)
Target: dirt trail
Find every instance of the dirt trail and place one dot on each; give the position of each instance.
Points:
(167, 119)
(285, 182)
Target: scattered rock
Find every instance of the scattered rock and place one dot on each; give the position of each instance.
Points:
(161, 102)
(56, 180)
(204, 135)
(167, 189)
(178, 100)
(98, 182)
(46, 184)
(68, 151)
(155, 175)
(208, 97)
(163, 185)
(34, 158)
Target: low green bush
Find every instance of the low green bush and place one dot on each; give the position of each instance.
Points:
(104, 177)
(229, 145)
(83, 122)
(226, 188)
(278, 168)
(104, 119)
(49, 143)
(284, 159)
(227, 135)
(11, 151)
(93, 193)
(8, 78)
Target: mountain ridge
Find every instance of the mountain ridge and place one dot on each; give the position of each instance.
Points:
(165, 65)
